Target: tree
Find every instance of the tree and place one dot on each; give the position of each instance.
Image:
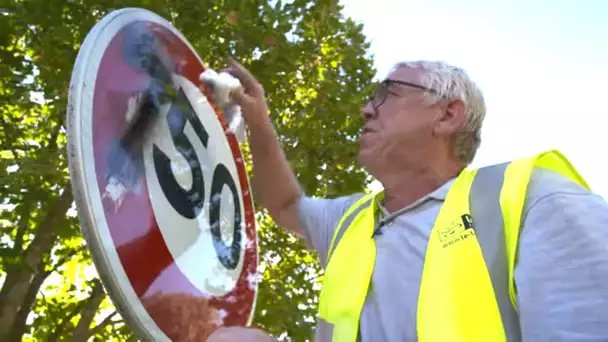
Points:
(314, 65)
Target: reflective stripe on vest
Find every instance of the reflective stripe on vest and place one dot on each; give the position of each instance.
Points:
(480, 301)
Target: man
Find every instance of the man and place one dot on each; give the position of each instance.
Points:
(421, 130)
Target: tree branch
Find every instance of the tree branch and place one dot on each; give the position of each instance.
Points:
(52, 144)
(8, 144)
(82, 332)
(67, 257)
(25, 213)
(64, 320)
(107, 321)
(59, 328)
(80, 307)
(15, 288)
(18, 328)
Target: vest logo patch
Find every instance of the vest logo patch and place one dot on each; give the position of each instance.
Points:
(458, 230)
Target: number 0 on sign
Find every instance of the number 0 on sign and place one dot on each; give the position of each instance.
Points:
(159, 181)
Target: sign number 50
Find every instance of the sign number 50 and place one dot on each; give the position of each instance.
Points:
(190, 202)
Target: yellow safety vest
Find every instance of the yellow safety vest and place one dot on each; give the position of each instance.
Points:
(457, 300)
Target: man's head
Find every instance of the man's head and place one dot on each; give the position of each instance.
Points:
(422, 114)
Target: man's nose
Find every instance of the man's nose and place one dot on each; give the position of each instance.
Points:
(368, 111)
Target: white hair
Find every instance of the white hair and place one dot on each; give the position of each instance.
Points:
(452, 83)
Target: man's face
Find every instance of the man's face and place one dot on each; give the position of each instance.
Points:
(398, 122)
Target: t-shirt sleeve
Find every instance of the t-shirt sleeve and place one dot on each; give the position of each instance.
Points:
(319, 219)
(562, 270)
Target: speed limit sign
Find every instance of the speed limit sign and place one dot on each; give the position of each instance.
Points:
(159, 182)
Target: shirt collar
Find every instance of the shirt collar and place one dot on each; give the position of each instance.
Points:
(442, 192)
(438, 194)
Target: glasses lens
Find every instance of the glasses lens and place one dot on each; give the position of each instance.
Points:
(380, 94)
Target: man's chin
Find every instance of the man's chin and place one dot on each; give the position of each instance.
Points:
(371, 160)
(365, 157)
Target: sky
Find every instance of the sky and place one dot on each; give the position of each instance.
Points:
(542, 66)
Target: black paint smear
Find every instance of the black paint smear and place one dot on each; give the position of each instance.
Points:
(124, 166)
(143, 52)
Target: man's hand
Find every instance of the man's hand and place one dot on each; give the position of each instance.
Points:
(240, 334)
(270, 167)
(250, 97)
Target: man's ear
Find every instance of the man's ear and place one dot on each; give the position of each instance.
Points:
(452, 118)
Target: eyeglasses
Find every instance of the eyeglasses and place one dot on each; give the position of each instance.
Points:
(382, 91)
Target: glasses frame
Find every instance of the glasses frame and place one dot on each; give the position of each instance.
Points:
(376, 103)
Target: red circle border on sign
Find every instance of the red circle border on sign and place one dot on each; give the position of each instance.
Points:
(133, 227)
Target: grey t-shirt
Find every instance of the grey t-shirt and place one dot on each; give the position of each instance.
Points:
(561, 274)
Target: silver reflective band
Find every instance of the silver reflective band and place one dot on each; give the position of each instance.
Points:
(484, 202)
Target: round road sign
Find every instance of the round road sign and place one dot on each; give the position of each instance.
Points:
(159, 181)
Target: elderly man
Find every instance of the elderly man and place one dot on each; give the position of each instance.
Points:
(517, 251)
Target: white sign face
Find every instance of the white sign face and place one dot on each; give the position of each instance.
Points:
(196, 159)
(164, 202)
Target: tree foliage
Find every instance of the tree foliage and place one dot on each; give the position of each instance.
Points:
(314, 66)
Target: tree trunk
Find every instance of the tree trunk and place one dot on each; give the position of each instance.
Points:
(20, 322)
(18, 279)
(82, 330)
(18, 329)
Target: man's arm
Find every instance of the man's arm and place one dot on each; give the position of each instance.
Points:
(562, 270)
(274, 184)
